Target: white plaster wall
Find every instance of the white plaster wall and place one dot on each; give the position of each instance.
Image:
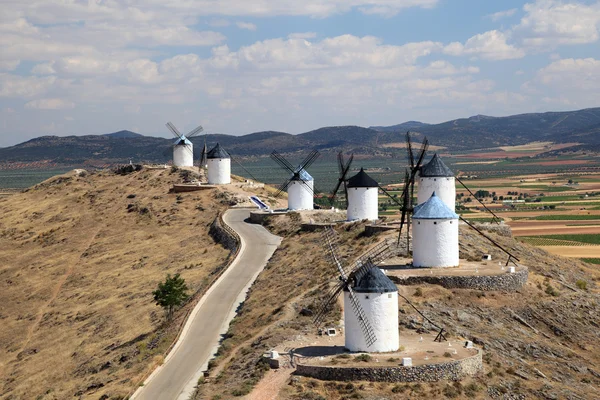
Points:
(443, 187)
(219, 171)
(435, 242)
(299, 196)
(183, 155)
(382, 311)
(362, 204)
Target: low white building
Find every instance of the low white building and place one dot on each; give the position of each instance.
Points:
(183, 152)
(363, 199)
(218, 166)
(436, 177)
(435, 234)
(301, 191)
(378, 297)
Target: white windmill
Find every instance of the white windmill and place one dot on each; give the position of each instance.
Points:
(370, 300)
(436, 177)
(435, 234)
(218, 166)
(363, 197)
(300, 185)
(183, 149)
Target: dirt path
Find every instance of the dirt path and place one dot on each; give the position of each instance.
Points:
(269, 386)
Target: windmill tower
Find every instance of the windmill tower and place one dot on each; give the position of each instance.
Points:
(218, 166)
(370, 300)
(344, 168)
(300, 185)
(183, 149)
(435, 234)
(363, 197)
(436, 177)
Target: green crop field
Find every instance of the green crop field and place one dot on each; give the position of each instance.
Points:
(562, 240)
(20, 179)
(591, 260)
(553, 217)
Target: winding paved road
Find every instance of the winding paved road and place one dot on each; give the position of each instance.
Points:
(179, 374)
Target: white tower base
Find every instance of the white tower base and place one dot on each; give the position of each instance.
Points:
(382, 311)
(183, 155)
(219, 171)
(444, 188)
(299, 196)
(435, 242)
(363, 203)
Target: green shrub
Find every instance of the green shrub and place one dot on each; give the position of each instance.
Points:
(581, 284)
(363, 358)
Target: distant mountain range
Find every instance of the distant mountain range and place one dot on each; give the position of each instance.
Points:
(466, 134)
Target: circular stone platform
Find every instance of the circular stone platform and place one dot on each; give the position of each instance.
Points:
(326, 359)
(479, 275)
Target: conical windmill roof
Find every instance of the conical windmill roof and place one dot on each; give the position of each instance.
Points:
(217, 152)
(182, 141)
(373, 280)
(302, 175)
(362, 180)
(435, 168)
(434, 208)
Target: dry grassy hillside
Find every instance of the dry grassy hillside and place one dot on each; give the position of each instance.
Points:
(79, 258)
(555, 357)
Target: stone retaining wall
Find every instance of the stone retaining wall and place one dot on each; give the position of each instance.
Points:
(505, 282)
(453, 371)
(223, 234)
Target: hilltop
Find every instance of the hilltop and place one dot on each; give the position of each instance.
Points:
(80, 255)
(551, 353)
(465, 134)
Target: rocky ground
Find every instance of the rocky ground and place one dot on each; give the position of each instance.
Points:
(538, 342)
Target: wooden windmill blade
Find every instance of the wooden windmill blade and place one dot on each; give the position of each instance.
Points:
(203, 155)
(324, 308)
(344, 168)
(405, 205)
(173, 130)
(195, 132)
(411, 156)
(365, 325)
(283, 163)
(242, 167)
(283, 187)
(495, 218)
(308, 160)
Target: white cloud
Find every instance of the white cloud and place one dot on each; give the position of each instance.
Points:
(22, 86)
(50, 104)
(549, 23)
(9, 65)
(502, 14)
(490, 45)
(246, 25)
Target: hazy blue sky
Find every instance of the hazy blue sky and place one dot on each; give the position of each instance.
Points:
(241, 66)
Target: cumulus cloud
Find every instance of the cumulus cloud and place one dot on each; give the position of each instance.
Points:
(24, 86)
(501, 14)
(50, 104)
(246, 25)
(490, 45)
(548, 23)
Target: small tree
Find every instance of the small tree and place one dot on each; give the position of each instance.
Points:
(171, 293)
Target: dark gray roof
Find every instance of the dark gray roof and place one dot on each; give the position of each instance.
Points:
(435, 168)
(362, 180)
(217, 152)
(373, 280)
(434, 208)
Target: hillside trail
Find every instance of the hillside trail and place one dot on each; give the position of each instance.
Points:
(63, 279)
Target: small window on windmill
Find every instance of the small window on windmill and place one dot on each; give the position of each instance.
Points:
(389, 295)
(450, 221)
(367, 296)
(487, 257)
(331, 332)
(435, 179)
(435, 222)
(418, 222)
